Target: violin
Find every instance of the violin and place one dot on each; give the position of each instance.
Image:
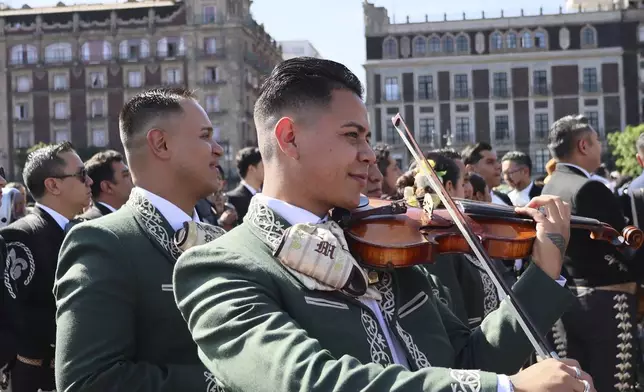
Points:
(392, 234)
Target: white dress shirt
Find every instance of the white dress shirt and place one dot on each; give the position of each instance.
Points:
(109, 207)
(61, 220)
(496, 199)
(173, 214)
(521, 198)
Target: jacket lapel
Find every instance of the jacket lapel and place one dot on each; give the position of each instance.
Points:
(102, 209)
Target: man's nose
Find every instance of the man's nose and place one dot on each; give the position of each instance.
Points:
(217, 149)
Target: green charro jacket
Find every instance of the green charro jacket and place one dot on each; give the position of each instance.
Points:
(259, 330)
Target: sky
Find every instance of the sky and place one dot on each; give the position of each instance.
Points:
(336, 27)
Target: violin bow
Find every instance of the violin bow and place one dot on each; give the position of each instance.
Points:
(525, 322)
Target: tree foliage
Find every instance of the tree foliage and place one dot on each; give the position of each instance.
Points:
(21, 155)
(623, 149)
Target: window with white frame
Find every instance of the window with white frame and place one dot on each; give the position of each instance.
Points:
(526, 40)
(210, 45)
(22, 139)
(593, 119)
(461, 89)
(95, 51)
(58, 52)
(61, 136)
(426, 130)
(211, 75)
(173, 76)
(462, 44)
(588, 37)
(61, 82)
(60, 110)
(462, 134)
(96, 107)
(212, 103)
(496, 41)
(21, 111)
(541, 126)
(434, 45)
(539, 39)
(390, 48)
(171, 47)
(97, 79)
(391, 136)
(448, 44)
(21, 54)
(392, 90)
(419, 46)
(209, 14)
(511, 40)
(134, 79)
(540, 82)
(99, 137)
(501, 127)
(23, 83)
(425, 87)
(500, 85)
(541, 157)
(589, 81)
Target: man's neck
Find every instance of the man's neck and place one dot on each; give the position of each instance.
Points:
(173, 194)
(521, 185)
(256, 185)
(60, 207)
(580, 163)
(280, 192)
(110, 201)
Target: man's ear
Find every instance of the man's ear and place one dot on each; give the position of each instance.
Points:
(52, 186)
(157, 141)
(105, 187)
(285, 134)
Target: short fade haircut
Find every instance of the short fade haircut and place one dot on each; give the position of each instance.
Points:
(296, 84)
(99, 169)
(564, 134)
(42, 164)
(639, 144)
(382, 157)
(139, 112)
(447, 152)
(247, 157)
(473, 154)
(520, 158)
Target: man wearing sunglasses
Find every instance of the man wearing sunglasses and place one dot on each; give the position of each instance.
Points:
(56, 178)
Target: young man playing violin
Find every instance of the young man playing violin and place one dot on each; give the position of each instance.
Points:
(271, 310)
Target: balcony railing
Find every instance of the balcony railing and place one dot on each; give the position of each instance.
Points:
(59, 59)
(541, 134)
(462, 137)
(541, 90)
(426, 95)
(462, 93)
(502, 135)
(590, 88)
(500, 93)
(219, 53)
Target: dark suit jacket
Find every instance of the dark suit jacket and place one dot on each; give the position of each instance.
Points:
(98, 210)
(240, 198)
(590, 262)
(33, 243)
(505, 198)
(537, 188)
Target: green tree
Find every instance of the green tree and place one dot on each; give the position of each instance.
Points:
(21, 155)
(623, 149)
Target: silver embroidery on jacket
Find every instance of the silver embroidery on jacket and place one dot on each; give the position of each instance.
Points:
(560, 339)
(153, 222)
(625, 345)
(212, 384)
(377, 343)
(15, 265)
(465, 380)
(490, 296)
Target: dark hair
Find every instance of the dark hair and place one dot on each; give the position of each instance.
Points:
(564, 134)
(473, 154)
(382, 157)
(478, 183)
(447, 165)
(247, 157)
(221, 172)
(299, 83)
(448, 152)
(137, 113)
(640, 144)
(99, 169)
(42, 164)
(520, 158)
(602, 171)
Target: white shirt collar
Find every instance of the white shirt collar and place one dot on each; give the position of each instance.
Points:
(109, 207)
(292, 214)
(173, 214)
(521, 198)
(61, 220)
(576, 167)
(252, 190)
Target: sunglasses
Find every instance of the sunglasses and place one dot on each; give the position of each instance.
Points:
(81, 175)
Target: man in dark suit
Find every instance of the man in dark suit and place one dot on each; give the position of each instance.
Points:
(57, 179)
(516, 167)
(112, 183)
(601, 328)
(481, 159)
(251, 172)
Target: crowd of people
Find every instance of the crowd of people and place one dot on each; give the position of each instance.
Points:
(140, 272)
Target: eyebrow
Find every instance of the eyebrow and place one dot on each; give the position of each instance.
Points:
(359, 127)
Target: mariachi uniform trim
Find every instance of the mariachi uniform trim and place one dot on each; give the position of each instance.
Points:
(19, 258)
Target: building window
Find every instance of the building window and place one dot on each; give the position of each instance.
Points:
(21, 111)
(462, 129)
(640, 33)
(426, 130)
(96, 106)
(460, 86)
(97, 79)
(419, 46)
(390, 48)
(391, 136)
(593, 120)
(22, 139)
(96, 51)
(60, 82)
(501, 127)
(500, 85)
(540, 82)
(212, 103)
(210, 45)
(511, 40)
(134, 79)
(589, 82)
(173, 76)
(58, 52)
(171, 47)
(541, 125)
(99, 137)
(211, 75)
(392, 92)
(448, 44)
(21, 54)
(209, 14)
(134, 49)
(496, 41)
(425, 87)
(61, 136)
(462, 44)
(588, 37)
(23, 84)
(541, 157)
(434, 45)
(526, 40)
(60, 110)
(540, 39)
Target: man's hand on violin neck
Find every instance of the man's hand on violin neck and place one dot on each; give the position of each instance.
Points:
(553, 376)
(552, 217)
